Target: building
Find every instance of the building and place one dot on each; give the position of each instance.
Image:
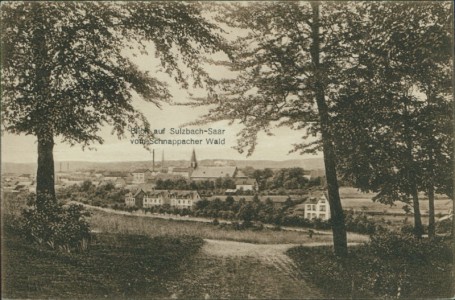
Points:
(183, 172)
(146, 199)
(155, 198)
(212, 173)
(209, 173)
(276, 200)
(130, 199)
(183, 199)
(317, 208)
(141, 175)
(246, 184)
(120, 182)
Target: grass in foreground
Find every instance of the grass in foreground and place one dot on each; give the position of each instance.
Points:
(240, 278)
(114, 266)
(365, 273)
(106, 222)
(139, 267)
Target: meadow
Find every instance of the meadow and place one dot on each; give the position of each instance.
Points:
(112, 223)
(115, 266)
(353, 199)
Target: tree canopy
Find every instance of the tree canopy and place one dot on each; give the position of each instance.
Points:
(394, 120)
(65, 73)
(343, 75)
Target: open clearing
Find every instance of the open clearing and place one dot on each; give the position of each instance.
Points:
(105, 220)
(255, 270)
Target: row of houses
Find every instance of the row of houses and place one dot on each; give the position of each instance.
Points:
(174, 198)
(313, 208)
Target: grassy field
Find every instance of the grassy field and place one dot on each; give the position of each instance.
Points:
(351, 198)
(365, 274)
(115, 266)
(106, 222)
(240, 278)
(119, 266)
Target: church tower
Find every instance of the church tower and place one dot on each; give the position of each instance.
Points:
(193, 160)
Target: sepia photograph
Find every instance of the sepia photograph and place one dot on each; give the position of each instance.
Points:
(227, 150)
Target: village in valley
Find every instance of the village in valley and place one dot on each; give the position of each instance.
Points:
(227, 150)
(143, 187)
(181, 188)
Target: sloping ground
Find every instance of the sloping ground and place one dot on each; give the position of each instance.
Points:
(115, 267)
(236, 270)
(271, 273)
(269, 255)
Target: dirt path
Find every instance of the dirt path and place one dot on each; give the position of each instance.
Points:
(273, 255)
(232, 269)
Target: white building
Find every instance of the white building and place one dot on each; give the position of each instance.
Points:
(246, 184)
(318, 208)
(178, 199)
(155, 198)
(184, 199)
(129, 199)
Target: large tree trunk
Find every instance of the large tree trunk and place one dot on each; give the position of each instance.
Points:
(336, 210)
(431, 219)
(411, 174)
(418, 227)
(45, 189)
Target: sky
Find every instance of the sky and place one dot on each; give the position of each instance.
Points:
(20, 148)
(23, 149)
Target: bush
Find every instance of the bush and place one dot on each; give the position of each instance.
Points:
(392, 265)
(359, 223)
(445, 226)
(406, 246)
(59, 227)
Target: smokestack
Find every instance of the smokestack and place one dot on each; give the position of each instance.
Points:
(67, 166)
(162, 160)
(60, 167)
(153, 163)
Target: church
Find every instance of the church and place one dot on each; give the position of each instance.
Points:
(200, 173)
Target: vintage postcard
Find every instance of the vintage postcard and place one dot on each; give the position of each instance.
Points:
(227, 150)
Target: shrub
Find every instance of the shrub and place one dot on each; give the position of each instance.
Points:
(59, 227)
(406, 246)
(392, 265)
(359, 223)
(445, 226)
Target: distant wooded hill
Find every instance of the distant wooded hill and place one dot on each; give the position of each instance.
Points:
(307, 164)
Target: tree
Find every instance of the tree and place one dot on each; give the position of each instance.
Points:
(262, 176)
(401, 140)
(64, 75)
(289, 62)
(247, 213)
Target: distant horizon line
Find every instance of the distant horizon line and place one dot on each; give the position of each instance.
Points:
(120, 161)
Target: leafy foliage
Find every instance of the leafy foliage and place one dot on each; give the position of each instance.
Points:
(59, 227)
(64, 70)
(394, 117)
(65, 73)
(87, 193)
(391, 266)
(117, 266)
